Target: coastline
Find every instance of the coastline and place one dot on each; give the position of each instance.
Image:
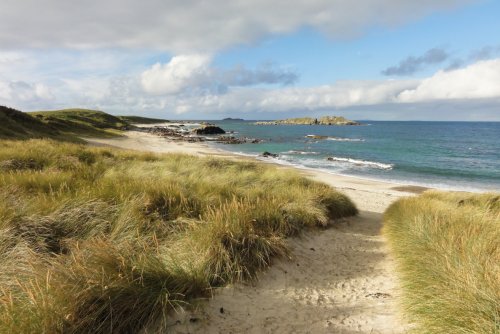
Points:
(368, 194)
(311, 291)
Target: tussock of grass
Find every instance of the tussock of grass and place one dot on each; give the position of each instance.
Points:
(94, 240)
(448, 248)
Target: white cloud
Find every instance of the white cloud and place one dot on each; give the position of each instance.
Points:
(176, 75)
(459, 94)
(476, 85)
(476, 81)
(24, 93)
(195, 74)
(181, 26)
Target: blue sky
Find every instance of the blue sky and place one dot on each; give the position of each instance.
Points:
(386, 59)
(321, 60)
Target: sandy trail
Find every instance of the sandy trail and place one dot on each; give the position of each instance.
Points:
(338, 280)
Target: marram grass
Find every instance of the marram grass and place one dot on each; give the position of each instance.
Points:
(448, 249)
(95, 240)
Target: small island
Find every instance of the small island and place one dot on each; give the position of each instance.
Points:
(232, 119)
(325, 120)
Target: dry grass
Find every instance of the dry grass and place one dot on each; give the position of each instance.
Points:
(94, 240)
(448, 248)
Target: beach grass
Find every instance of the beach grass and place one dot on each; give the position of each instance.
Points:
(65, 125)
(99, 240)
(448, 249)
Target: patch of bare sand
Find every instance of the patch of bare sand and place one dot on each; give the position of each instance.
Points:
(338, 280)
(142, 141)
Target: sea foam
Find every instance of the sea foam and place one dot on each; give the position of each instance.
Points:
(367, 163)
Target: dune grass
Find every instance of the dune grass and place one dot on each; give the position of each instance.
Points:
(448, 249)
(15, 124)
(95, 240)
(64, 125)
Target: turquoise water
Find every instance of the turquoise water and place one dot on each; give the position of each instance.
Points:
(448, 155)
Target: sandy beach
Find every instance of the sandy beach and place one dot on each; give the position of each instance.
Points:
(339, 280)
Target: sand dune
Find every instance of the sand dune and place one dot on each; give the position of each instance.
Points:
(338, 280)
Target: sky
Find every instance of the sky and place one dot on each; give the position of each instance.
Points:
(254, 59)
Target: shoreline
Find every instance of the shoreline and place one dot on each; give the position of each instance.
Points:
(165, 145)
(415, 186)
(354, 186)
(356, 290)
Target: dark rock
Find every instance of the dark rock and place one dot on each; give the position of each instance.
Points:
(198, 135)
(269, 155)
(209, 130)
(230, 140)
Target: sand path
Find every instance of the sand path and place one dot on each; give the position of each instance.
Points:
(338, 280)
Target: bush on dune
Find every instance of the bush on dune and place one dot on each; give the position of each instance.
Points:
(94, 240)
(448, 248)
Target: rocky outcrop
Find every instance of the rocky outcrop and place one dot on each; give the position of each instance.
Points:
(179, 133)
(269, 155)
(325, 120)
(237, 140)
(209, 130)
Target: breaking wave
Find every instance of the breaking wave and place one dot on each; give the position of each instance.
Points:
(344, 139)
(367, 163)
(302, 152)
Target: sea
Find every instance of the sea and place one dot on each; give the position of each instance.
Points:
(444, 155)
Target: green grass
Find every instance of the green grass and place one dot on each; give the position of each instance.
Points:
(82, 122)
(68, 124)
(448, 249)
(19, 125)
(95, 240)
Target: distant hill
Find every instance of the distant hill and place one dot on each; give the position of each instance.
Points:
(325, 120)
(141, 120)
(232, 119)
(81, 120)
(67, 124)
(15, 124)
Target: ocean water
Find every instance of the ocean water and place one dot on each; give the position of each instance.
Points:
(446, 155)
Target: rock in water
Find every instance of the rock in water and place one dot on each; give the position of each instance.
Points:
(209, 130)
(316, 137)
(269, 154)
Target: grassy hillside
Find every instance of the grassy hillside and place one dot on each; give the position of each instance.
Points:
(141, 120)
(67, 124)
(94, 240)
(16, 124)
(82, 121)
(448, 249)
